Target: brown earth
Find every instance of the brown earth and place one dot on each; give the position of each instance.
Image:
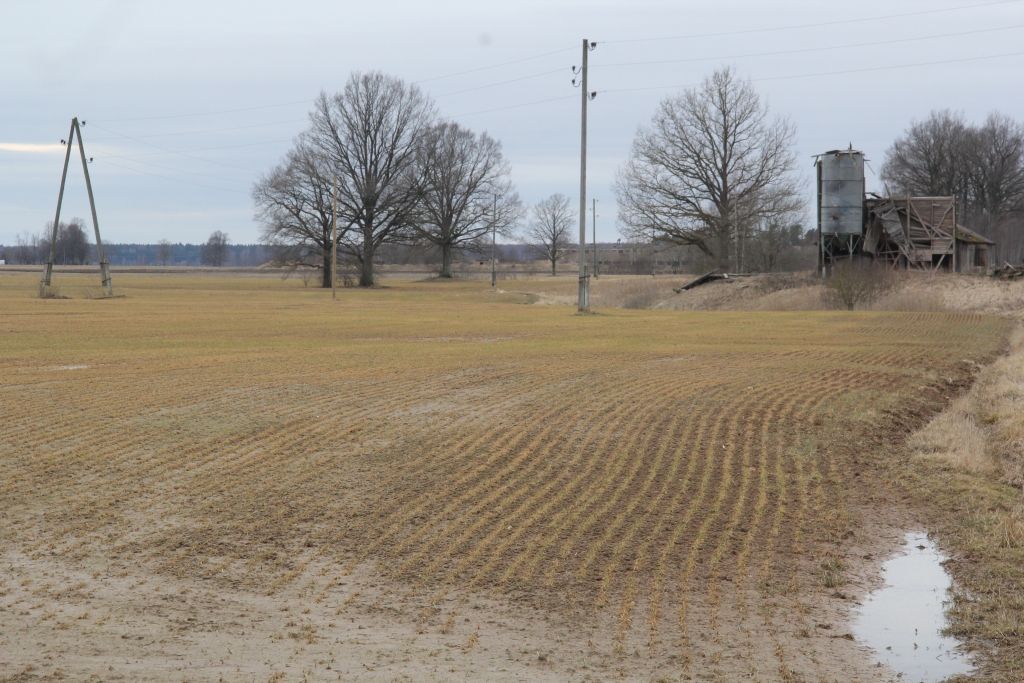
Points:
(221, 479)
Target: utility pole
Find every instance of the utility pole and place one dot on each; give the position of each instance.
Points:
(334, 237)
(593, 218)
(583, 298)
(494, 233)
(44, 286)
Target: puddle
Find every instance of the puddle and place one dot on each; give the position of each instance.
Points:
(903, 621)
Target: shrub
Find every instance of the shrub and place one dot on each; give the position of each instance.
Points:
(854, 283)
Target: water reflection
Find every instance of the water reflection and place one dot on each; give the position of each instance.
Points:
(903, 621)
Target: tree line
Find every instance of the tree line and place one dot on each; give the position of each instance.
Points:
(74, 248)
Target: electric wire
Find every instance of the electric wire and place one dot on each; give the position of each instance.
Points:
(257, 143)
(209, 113)
(830, 73)
(803, 50)
(505, 82)
(169, 150)
(820, 24)
(174, 178)
(518, 106)
(189, 154)
(207, 130)
(496, 66)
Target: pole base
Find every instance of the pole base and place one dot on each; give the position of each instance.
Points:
(583, 297)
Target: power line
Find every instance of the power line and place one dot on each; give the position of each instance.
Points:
(839, 46)
(494, 66)
(171, 151)
(831, 73)
(310, 101)
(203, 149)
(515, 107)
(178, 170)
(835, 22)
(892, 66)
(497, 83)
(209, 130)
(209, 113)
(174, 178)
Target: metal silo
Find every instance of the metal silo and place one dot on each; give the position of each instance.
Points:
(841, 192)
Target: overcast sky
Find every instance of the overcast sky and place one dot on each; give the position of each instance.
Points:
(187, 102)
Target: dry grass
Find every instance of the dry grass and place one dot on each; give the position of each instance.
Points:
(955, 438)
(663, 478)
(969, 469)
(908, 293)
(983, 430)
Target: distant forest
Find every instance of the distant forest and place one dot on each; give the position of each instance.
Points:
(772, 249)
(78, 252)
(237, 255)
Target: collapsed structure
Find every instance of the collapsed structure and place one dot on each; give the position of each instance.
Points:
(904, 232)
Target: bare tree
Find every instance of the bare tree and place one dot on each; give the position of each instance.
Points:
(771, 241)
(551, 228)
(368, 134)
(293, 202)
(709, 167)
(982, 166)
(995, 177)
(465, 189)
(28, 249)
(163, 252)
(72, 247)
(215, 251)
(930, 159)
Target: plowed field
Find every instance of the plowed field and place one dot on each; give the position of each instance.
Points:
(680, 485)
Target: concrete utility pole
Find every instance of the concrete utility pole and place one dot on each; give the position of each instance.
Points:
(593, 218)
(44, 286)
(583, 299)
(334, 237)
(494, 233)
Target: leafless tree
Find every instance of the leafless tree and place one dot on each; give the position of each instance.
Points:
(465, 189)
(293, 203)
(27, 250)
(72, 246)
(982, 166)
(163, 252)
(771, 241)
(215, 251)
(711, 165)
(996, 174)
(930, 159)
(368, 133)
(551, 228)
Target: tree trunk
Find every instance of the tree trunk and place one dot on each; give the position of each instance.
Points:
(553, 265)
(446, 260)
(328, 268)
(724, 237)
(366, 272)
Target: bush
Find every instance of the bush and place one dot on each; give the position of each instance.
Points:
(854, 283)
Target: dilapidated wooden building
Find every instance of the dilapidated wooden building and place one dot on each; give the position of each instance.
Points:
(922, 233)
